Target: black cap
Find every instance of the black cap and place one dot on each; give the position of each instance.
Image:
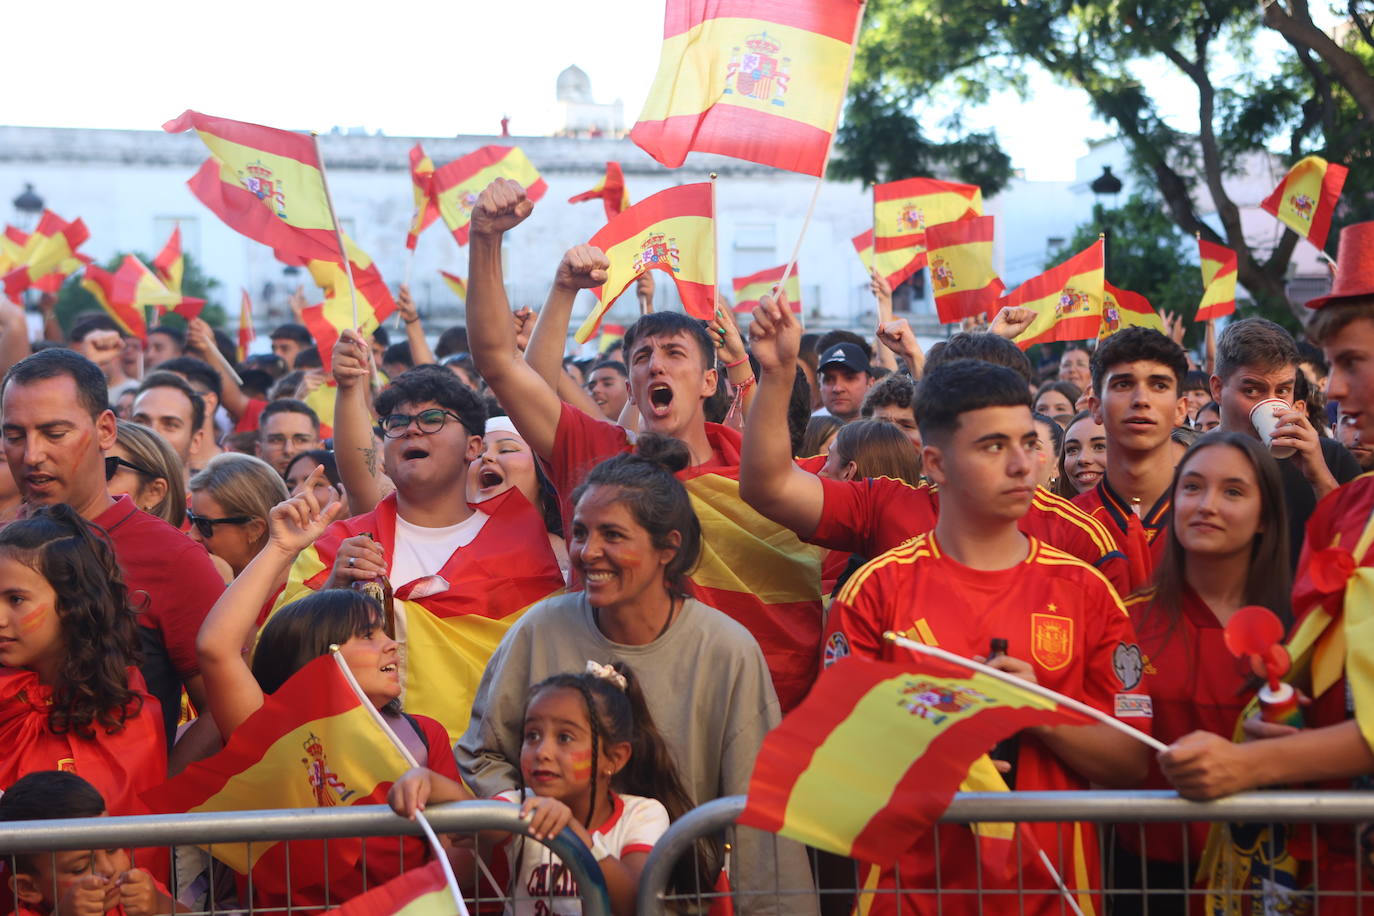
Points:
(845, 354)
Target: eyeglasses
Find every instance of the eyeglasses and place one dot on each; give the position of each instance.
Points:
(394, 425)
(206, 526)
(113, 463)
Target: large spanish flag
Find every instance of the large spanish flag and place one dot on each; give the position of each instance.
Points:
(764, 283)
(49, 248)
(265, 183)
(903, 210)
(925, 728)
(863, 247)
(610, 190)
(375, 304)
(313, 744)
(672, 231)
(761, 80)
(456, 283)
(1306, 198)
(457, 185)
(421, 183)
(100, 283)
(959, 255)
(453, 621)
(1068, 299)
(1219, 265)
(1122, 308)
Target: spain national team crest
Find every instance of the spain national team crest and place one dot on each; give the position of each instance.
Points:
(658, 251)
(1051, 640)
(836, 648)
(941, 275)
(1303, 205)
(760, 72)
(265, 186)
(329, 789)
(936, 702)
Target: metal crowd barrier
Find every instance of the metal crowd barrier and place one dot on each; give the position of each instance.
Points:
(369, 821)
(1307, 816)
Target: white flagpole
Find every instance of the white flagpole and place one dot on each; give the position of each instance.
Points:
(439, 852)
(338, 230)
(1037, 689)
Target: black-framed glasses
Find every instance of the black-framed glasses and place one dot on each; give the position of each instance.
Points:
(394, 425)
(113, 463)
(206, 526)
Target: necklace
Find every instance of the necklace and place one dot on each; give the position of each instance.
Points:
(672, 610)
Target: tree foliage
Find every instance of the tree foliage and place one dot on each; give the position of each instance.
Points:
(1317, 100)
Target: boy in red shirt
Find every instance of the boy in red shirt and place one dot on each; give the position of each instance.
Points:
(1137, 396)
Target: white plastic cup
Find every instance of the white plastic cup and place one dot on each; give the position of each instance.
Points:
(1263, 419)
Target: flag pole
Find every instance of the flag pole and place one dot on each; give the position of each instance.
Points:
(338, 230)
(396, 742)
(1037, 689)
(715, 249)
(829, 146)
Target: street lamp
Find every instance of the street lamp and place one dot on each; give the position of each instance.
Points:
(29, 205)
(1105, 185)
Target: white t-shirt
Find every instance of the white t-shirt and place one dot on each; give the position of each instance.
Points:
(545, 887)
(423, 552)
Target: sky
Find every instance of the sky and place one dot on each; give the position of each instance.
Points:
(406, 67)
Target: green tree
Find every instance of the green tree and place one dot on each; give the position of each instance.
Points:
(921, 49)
(74, 300)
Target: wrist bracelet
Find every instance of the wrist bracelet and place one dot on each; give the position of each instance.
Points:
(739, 362)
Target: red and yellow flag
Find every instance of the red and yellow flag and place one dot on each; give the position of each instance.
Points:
(138, 286)
(170, 263)
(419, 892)
(672, 231)
(610, 190)
(863, 246)
(265, 183)
(375, 304)
(1219, 265)
(52, 247)
(12, 242)
(1306, 198)
(925, 726)
(421, 180)
(457, 185)
(959, 255)
(100, 283)
(757, 81)
(1068, 299)
(456, 283)
(314, 743)
(1122, 308)
(749, 289)
(903, 210)
(246, 332)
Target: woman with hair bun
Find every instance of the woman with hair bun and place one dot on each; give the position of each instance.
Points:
(633, 542)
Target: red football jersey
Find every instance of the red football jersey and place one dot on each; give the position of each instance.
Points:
(1139, 537)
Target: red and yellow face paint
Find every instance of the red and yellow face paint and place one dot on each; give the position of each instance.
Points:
(581, 765)
(31, 621)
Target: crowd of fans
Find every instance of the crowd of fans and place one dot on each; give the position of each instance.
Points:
(602, 582)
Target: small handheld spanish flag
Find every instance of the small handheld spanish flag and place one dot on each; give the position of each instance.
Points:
(749, 289)
(1067, 298)
(457, 185)
(1218, 280)
(1306, 198)
(610, 190)
(904, 210)
(959, 255)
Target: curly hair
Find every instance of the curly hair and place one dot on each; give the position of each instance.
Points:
(430, 383)
(99, 635)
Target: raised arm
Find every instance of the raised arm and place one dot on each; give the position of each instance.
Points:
(882, 295)
(355, 449)
(545, 350)
(232, 692)
(200, 340)
(532, 403)
(14, 335)
(768, 479)
(420, 353)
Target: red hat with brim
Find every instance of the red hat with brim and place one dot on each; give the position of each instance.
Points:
(1354, 266)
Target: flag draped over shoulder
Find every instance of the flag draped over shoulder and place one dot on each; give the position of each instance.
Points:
(456, 283)
(326, 320)
(1306, 198)
(265, 183)
(923, 725)
(51, 248)
(455, 619)
(1219, 265)
(672, 231)
(246, 332)
(100, 283)
(610, 190)
(314, 743)
(1067, 298)
(904, 210)
(1122, 308)
(422, 184)
(761, 81)
(749, 289)
(457, 185)
(959, 255)
(863, 247)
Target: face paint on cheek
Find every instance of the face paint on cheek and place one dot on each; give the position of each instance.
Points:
(31, 621)
(581, 764)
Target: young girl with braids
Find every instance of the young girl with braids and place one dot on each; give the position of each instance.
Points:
(591, 760)
(70, 696)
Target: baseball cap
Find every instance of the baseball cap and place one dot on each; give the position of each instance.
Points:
(845, 354)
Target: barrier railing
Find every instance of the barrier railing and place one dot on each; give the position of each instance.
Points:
(369, 821)
(1309, 817)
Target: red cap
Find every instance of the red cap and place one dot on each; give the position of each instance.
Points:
(1354, 266)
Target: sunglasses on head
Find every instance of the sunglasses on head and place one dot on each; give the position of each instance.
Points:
(113, 463)
(206, 526)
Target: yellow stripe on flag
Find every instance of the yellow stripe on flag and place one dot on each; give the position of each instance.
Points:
(912, 215)
(294, 190)
(456, 202)
(811, 70)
